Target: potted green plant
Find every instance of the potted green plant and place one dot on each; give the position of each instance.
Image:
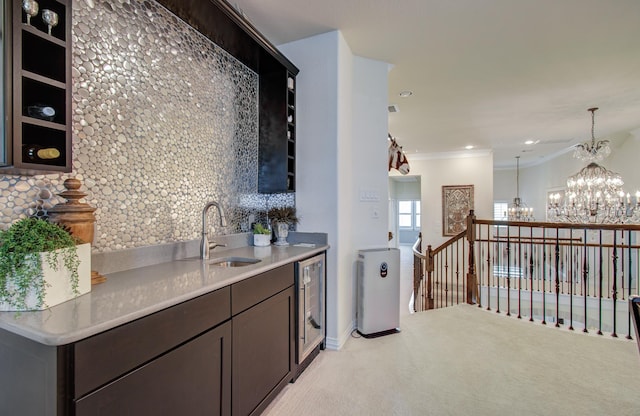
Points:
(41, 266)
(282, 218)
(261, 235)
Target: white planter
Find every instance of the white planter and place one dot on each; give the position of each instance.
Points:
(261, 240)
(58, 283)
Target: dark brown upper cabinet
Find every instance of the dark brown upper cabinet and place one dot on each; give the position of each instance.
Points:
(38, 89)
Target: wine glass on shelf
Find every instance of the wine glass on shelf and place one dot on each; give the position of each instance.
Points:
(50, 18)
(30, 7)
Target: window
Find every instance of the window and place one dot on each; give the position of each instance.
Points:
(405, 214)
(409, 215)
(500, 211)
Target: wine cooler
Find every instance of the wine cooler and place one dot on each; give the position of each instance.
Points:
(310, 282)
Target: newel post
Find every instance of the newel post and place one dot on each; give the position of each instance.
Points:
(472, 278)
(428, 302)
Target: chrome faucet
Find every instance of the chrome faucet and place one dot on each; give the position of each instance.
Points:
(205, 245)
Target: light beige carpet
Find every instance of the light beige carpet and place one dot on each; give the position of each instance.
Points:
(467, 361)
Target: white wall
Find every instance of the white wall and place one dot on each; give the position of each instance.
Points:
(369, 220)
(344, 153)
(409, 189)
(504, 184)
(317, 139)
(369, 161)
(341, 150)
(473, 169)
(624, 160)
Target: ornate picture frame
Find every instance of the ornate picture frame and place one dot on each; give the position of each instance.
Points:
(457, 201)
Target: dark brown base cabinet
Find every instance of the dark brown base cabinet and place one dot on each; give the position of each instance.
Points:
(262, 353)
(193, 379)
(229, 352)
(263, 339)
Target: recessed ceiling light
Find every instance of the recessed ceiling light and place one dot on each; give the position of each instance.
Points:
(469, 147)
(530, 142)
(405, 94)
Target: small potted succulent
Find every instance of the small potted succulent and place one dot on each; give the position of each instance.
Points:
(261, 235)
(282, 218)
(41, 266)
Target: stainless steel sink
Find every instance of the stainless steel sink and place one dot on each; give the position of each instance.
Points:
(233, 261)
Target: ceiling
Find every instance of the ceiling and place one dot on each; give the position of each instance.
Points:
(487, 73)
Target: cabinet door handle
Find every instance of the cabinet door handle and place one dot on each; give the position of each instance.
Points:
(314, 323)
(304, 312)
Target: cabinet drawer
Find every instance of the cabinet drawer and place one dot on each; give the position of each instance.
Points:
(105, 356)
(249, 292)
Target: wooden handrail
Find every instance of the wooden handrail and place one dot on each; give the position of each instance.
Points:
(417, 247)
(450, 241)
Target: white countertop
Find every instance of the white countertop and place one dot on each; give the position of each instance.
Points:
(132, 294)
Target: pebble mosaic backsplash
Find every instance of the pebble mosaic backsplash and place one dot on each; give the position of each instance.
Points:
(163, 122)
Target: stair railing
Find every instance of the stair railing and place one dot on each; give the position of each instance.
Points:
(568, 274)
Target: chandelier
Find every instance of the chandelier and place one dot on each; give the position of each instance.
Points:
(594, 194)
(518, 210)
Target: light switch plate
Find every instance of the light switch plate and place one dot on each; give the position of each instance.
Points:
(369, 195)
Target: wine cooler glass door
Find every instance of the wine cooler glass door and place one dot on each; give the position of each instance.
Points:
(310, 305)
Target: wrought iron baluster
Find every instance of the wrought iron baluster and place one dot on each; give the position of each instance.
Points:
(442, 277)
(629, 277)
(544, 277)
(621, 267)
(614, 288)
(499, 257)
(472, 272)
(490, 270)
(571, 279)
(446, 277)
(557, 276)
(531, 255)
(429, 300)
(480, 248)
(508, 271)
(600, 280)
(585, 276)
(519, 270)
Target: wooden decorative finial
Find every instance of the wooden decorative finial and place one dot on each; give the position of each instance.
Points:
(76, 216)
